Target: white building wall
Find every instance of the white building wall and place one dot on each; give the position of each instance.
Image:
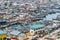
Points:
(32, 32)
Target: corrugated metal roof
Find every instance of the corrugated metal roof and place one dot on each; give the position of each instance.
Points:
(14, 32)
(35, 26)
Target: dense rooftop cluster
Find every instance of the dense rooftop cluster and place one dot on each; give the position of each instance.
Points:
(28, 18)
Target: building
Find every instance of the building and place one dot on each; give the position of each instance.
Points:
(14, 33)
(35, 27)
